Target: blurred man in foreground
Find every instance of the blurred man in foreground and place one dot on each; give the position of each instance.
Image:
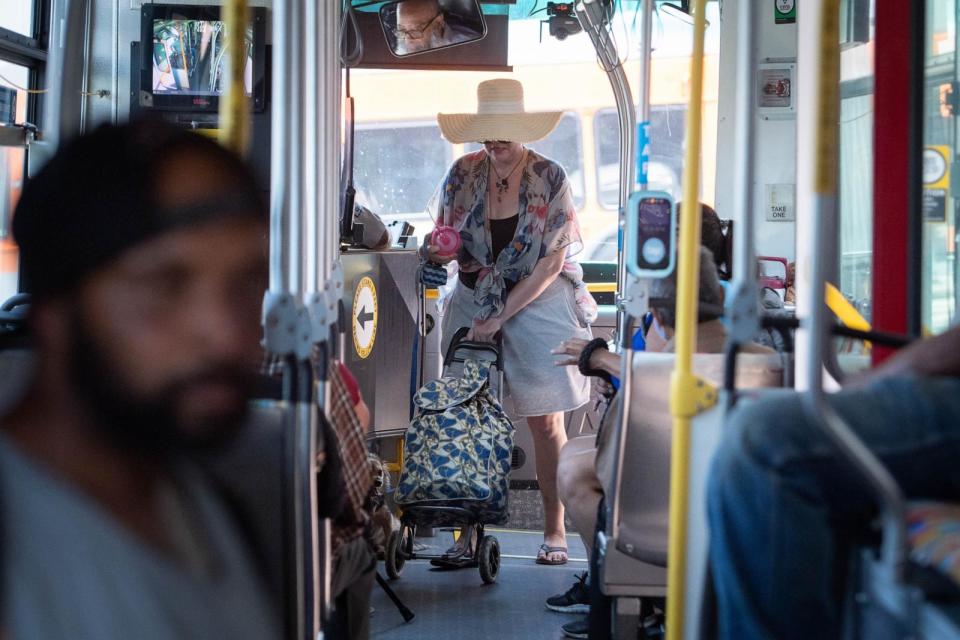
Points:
(145, 250)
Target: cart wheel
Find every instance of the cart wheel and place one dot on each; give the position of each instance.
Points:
(488, 554)
(396, 554)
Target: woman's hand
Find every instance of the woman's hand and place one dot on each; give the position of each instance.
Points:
(571, 350)
(485, 330)
(433, 256)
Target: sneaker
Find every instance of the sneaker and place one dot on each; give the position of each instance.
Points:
(579, 628)
(575, 600)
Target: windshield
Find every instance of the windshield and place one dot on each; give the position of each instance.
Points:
(400, 156)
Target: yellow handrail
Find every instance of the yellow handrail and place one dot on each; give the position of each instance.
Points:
(234, 110)
(846, 312)
(688, 394)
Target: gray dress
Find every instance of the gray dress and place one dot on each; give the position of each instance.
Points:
(537, 386)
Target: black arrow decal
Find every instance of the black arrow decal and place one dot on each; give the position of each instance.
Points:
(364, 316)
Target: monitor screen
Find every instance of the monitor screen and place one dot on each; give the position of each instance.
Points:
(190, 57)
(184, 58)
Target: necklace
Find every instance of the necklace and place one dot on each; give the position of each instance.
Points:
(503, 182)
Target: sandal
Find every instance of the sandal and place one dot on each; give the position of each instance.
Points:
(544, 551)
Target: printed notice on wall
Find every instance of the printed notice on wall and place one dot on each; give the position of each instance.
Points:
(779, 202)
(936, 182)
(775, 88)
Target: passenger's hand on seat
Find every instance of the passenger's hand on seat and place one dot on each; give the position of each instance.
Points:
(570, 350)
(601, 359)
(485, 330)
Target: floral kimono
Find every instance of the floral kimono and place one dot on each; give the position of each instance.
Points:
(547, 224)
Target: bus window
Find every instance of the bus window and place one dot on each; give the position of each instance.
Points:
(17, 16)
(856, 193)
(565, 146)
(940, 149)
(12, 162)
(667, 123)
(856, 177)
(397, 167)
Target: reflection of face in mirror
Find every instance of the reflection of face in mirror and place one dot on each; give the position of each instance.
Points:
(417, 26)
(420, 26)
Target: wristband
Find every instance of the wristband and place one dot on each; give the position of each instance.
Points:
(583, 363)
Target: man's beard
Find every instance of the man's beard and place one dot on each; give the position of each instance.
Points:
(150, 425)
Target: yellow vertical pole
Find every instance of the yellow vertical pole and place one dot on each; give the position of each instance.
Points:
(234, 110)
(684, 386)
(828, 113)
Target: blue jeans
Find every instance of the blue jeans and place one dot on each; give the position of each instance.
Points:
(783, 505)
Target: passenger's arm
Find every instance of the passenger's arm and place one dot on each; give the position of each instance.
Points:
(601, 359)
(525, 292)
(936, 356)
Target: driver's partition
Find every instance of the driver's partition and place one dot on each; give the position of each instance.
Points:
(633, 546)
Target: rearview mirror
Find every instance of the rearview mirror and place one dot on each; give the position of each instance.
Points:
(419, 26)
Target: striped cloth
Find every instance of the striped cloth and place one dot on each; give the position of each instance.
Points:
(933, 529)
(357, 478)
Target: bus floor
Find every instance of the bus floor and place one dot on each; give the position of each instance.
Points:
(456, 604)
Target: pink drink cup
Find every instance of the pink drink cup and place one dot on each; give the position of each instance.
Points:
(446, 240)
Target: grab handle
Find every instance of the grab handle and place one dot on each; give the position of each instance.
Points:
(459, 342)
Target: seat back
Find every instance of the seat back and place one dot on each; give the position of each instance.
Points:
(645, 479)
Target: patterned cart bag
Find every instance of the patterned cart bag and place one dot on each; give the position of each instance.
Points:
(458, 447)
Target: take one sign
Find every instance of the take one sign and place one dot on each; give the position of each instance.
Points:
(780, 202)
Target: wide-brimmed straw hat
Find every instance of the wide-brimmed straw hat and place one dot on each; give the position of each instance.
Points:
(500, 116)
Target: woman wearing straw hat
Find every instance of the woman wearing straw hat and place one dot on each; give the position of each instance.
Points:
(513, 209)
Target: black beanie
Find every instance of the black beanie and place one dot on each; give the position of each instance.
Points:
(96, 198)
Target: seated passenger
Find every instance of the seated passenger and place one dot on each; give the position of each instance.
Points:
(784, 505)
(790, 295)
(145, 250)
(354, 562)
(578, 481)
(711, 237)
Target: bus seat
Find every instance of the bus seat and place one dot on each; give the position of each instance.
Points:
(705, 437)
(927, 605)
(645, 488)
(933, 530)
(646, 479)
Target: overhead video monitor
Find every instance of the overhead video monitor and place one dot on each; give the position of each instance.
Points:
(651, 234)
(184, 57)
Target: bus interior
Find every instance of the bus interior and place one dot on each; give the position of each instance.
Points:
(721, 102)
